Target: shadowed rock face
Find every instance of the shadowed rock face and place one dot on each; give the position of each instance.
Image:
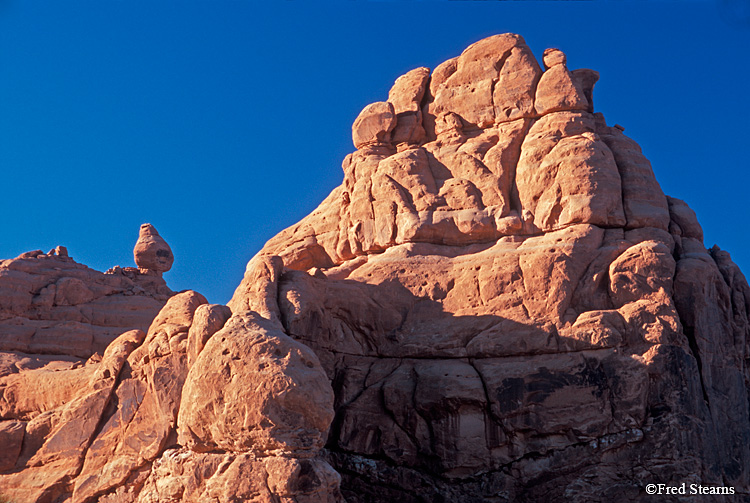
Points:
(497, 304)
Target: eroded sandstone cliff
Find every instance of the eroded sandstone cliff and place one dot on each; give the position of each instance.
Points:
(498, 304)
(507, 305)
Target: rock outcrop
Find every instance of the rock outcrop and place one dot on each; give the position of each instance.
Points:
(65, 332)
(498, 304)
(507, 305)
(51, 305)
(245, 420)
(194, 409)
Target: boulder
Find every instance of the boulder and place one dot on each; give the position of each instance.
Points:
(151, 252)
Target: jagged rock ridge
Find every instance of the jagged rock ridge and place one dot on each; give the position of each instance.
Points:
(498, 304)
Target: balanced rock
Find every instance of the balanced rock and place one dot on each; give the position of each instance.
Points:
(559, 90)
(151, 252)
(552, 57)
(374, 125)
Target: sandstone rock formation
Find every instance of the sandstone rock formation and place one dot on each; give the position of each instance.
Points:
(507, 305)
(89, 415)
(60, 354)
(498, 304)
(245, 420)
(51, 305)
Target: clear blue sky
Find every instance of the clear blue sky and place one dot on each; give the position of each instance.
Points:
(222, 123)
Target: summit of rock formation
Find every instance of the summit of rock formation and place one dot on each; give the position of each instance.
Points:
(506, 303)
(498, 304)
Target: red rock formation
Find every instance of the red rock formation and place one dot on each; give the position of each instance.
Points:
(49, 304)
(498, 304)
(54, 315)
(245, 419)
(196, 408)
(151, 252)
(507, 306)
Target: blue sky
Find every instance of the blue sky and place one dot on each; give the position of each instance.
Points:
(222, 123)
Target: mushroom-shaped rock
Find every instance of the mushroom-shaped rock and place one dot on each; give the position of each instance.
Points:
(374, 124)
(151, 251)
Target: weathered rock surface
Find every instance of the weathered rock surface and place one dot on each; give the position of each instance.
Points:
(244, 421)
(498, 304)
(60, 355)
(257, 404)
(508, 307)
(49, 304)
(255, 388)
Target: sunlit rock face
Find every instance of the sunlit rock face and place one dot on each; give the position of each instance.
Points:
(52, 305)
(192, 404)
(151, 253)
(497, 304)
(505, 302)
